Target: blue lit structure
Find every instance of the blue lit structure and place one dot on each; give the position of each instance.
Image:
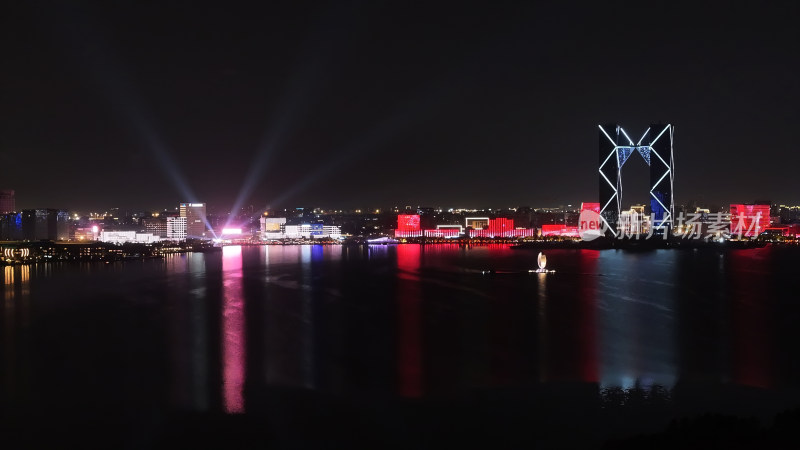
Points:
(655, 146)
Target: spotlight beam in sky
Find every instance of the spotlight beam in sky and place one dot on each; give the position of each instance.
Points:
(324, 45)
(295, 103)
(86, 45)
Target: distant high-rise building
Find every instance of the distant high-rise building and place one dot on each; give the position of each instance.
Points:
(45, 224)
(195, 214)
(176, 228)
(7, 202)
(11, 227)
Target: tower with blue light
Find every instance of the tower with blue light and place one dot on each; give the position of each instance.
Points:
(655, 146)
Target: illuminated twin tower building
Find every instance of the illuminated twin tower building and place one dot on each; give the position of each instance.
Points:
(655, 146)
(192, 222)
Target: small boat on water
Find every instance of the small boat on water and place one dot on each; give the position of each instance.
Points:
(541, 261)
(382, 241)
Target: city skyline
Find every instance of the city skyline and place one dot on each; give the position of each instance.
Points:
(377, 104)
(351, 223)
(254, 210)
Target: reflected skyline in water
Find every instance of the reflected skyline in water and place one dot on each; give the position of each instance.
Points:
(211, 331)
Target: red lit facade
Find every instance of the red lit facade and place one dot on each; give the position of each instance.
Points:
(410, 360)
(408, 226)
(524, 232)
(586, 206)
(501, 227)
(443, 233)
(749, 220)
(512, 233)
(560, 230)
(408, 222)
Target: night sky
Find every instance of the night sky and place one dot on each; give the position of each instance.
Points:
(140, 105)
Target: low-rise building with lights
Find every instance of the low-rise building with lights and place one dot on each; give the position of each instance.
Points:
(121, 237)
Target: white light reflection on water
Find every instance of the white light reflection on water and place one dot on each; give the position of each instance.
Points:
(198, 313)
(636, 309)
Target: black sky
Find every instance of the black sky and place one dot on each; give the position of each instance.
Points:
(397, 103)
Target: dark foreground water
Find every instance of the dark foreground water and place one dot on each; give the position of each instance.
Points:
(397, 342)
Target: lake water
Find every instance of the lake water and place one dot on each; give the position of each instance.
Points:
(209, 331)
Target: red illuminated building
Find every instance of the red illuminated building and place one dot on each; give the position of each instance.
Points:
(408, 226)
(749, 220)
(560, 230)
(443, 233)
(524, 232)
(502, 227)
(563, 230)
(587, 206)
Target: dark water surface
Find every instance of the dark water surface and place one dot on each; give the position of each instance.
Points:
(217, 332)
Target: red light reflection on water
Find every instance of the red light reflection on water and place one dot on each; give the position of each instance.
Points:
(587, 317)
(409, 310)
(751, 316)
(233, 333)
(567, 321)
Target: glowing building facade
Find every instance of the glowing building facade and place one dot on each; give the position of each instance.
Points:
(272, 227)
(590, 206)
(655, 146)
(195, 214)
(176, 228)
(560, 230)
(122, 237)
(749, 220)
(477, 223)
(312, 231)
(446, 233)
(275, 228)
(634, 222)
(408, 225)
(500, 227)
